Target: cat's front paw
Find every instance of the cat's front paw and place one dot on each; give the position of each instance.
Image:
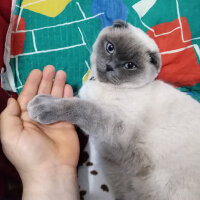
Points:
(40, 109)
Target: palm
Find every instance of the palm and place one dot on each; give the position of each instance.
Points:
(60, 134)
(54, 144)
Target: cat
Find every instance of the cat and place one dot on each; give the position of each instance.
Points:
(147, 132)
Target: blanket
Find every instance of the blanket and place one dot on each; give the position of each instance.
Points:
(62, 33)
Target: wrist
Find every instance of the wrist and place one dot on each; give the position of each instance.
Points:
(56, 183)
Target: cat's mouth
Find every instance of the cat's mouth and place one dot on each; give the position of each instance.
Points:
(113, 78)
(108, 76)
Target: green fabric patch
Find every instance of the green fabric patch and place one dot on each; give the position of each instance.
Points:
(193, 91)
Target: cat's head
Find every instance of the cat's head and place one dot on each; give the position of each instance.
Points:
(123, 53)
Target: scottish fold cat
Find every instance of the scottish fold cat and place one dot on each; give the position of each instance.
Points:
(147, 132)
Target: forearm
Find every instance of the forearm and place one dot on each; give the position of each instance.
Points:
(60, 185)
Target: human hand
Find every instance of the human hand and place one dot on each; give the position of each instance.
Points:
(39, 151)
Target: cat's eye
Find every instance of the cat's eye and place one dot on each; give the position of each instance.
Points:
(130, 66)
(110, 48)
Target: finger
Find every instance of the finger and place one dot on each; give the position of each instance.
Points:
(30, 88)
(11, 123)
(59, 84)
(47, 80)
(68, 91)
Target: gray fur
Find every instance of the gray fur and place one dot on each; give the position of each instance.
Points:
(103, 122)
(46, 109)
(146, 131)
(127, 49)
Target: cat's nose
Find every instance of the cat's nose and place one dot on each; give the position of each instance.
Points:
(109, 68)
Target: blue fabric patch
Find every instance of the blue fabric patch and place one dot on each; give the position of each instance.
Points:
(112, 9)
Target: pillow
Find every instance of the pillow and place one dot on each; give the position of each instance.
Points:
(61, 33)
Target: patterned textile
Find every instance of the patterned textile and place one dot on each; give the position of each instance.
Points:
(62, 33)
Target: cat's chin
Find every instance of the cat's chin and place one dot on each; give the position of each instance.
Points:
(108, 77)
(112, 78)
(112, 81)
(122, 85)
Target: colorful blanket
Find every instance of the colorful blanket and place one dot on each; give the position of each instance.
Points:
(62, 33)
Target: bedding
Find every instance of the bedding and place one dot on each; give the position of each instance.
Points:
(61, 33)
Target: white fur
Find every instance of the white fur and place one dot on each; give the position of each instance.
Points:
(157, 155)
(168, 124)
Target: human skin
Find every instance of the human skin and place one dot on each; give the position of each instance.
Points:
(45, 156)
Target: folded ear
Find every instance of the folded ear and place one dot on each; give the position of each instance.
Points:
(155, 59)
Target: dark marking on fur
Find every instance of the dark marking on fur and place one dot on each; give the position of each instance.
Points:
(104, 188)
(89, 164)
(85, 156)
(92, 78)
(82, 194)
(94, 172)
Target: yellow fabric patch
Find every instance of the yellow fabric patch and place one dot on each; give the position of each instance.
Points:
(85, 77)
(50, 8)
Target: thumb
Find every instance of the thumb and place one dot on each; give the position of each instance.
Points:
(13, 108)
(10, 122)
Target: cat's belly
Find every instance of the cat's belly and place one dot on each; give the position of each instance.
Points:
(118, 170)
